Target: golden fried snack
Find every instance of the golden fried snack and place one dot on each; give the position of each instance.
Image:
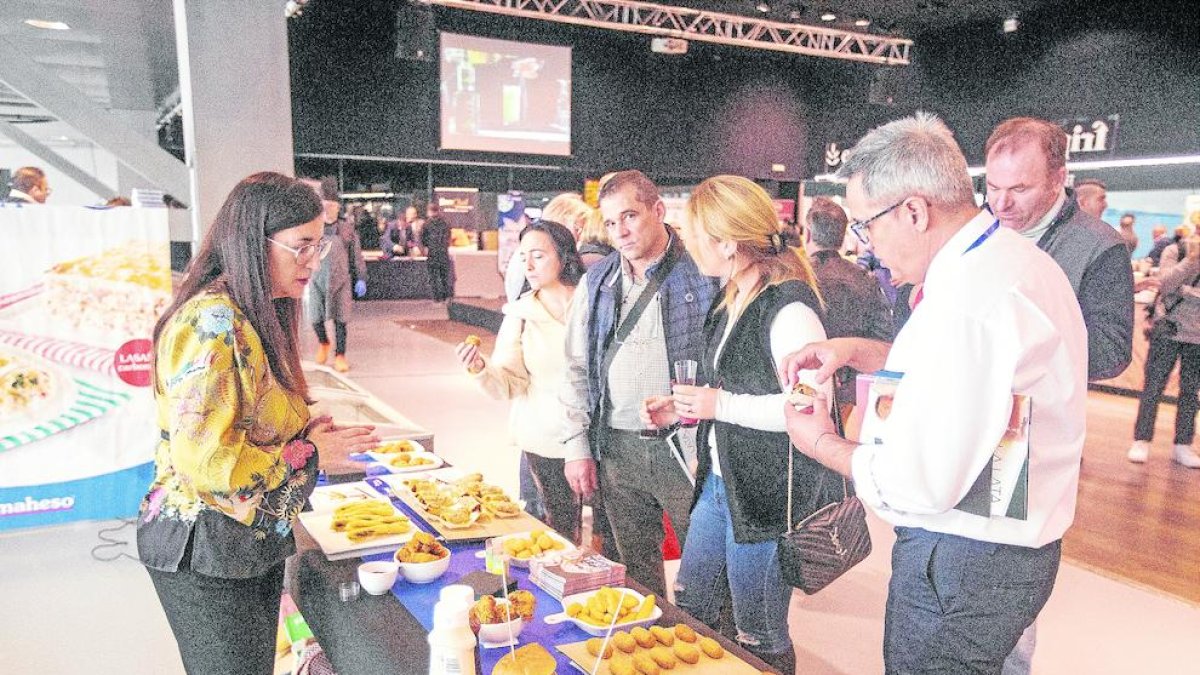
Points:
(711, 648)
(684, 632)
(643, 637)
(664, 657)
(688, 653)
(523, 604)
(664, 635)
(621, 664)
(645, 665)
(473, 340)
(624, 641)
(802, 397)
(593, 647)
(421, 548)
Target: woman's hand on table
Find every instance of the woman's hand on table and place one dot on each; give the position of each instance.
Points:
(337, 443)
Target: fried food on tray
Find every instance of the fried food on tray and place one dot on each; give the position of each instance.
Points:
(366, 520)
(802, 397)
(711, 648)
(422, 548)
(464, 501)
(688, 653)
(537, 543)
(532, 659)
(685, 632)
(489, 609)
(394, 447)
(408, 459)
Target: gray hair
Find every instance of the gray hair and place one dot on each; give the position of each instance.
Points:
(912, 156)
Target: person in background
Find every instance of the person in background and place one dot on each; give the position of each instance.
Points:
(1126, 229)
(854, 305)
(416, 225)
(769, 308)
(995, 316)
(1092, 195)
(1161, 242)
(435, 241)
(239, 452)
(329, 297)
(28, 185)
(1176, 250)
(1026, 190)
(607, 380)
(528, 366)
(395, 238)
(582, 220)
(1178, 304)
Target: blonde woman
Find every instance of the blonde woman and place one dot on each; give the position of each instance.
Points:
(770, 307)
(529, 364)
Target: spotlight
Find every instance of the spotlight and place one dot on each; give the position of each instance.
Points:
(1011, 24)
(795, 12)
(763, 7)
(862, 23)
(828, 16)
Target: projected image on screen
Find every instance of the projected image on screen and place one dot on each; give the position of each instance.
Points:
(503, 96)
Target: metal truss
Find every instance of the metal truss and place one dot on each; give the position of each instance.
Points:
(701, 25)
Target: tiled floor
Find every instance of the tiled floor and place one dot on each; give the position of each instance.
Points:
(67, 613)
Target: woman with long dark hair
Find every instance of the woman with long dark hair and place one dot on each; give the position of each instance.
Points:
(238, 455)
(529, 363)
(770, 308)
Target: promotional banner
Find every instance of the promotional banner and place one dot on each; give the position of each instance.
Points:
(512, 219)
(79, 296)
(459, 206)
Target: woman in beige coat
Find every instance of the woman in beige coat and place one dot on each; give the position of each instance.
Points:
(528, 364)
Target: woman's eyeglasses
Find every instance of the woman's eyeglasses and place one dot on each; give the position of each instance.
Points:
(306, 253)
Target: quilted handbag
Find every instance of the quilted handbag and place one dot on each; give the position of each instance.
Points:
(823, 546)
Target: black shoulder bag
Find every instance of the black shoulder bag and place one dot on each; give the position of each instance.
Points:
(825, 545)
(1164, 327)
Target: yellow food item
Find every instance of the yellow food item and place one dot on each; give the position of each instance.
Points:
(524, 548)
(624, 641)
(643, 637)
(408, 459)
(489, 609)
(684, 632)
(711, 648)
(593, 647)
(532, 659)
(664, 657)
(688, 653)
(621, 665)
(473, 340)
(664, 635)
(645, 665)
(369, 519)
(647, 607)
(394, 447)
(574, 609)
(421, 548)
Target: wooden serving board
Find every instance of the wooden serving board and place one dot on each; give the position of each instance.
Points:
(494, 527)
(726, 665)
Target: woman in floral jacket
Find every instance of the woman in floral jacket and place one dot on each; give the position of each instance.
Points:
(238, 455)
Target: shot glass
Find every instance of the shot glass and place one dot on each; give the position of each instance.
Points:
(685, 373)
(348, 591)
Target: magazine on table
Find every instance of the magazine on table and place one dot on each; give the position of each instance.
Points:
(1002, 488)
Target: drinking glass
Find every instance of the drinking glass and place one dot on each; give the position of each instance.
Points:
(685, 373)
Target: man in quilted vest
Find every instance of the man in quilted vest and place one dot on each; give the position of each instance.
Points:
(639, 475)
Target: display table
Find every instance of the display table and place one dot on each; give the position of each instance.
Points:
(1133, 379)
(407, 278)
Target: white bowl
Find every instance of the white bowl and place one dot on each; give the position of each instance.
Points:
(600, 631)
(497, 634)
(426, 572)
(378, 577)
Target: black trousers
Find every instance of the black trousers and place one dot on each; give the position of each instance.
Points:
(1159, 363)
(222, 626)
(339, 335)
(439, 279)
(564, 512)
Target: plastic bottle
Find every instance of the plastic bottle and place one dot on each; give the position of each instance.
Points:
(457, 593)
(451, 642)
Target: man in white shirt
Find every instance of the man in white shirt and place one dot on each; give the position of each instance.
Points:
(996, 316)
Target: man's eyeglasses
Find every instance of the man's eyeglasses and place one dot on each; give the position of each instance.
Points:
(306, 253)
(862, 228)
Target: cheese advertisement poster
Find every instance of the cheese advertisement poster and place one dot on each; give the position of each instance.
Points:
(79, 295)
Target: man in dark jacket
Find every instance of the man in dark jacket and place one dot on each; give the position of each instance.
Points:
(1026, 190)
(435, 239)
(854, 303)
(640, 474)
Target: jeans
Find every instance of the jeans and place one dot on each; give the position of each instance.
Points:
(639, 480)
(1159, 363)
(958, 605)
(714, 567)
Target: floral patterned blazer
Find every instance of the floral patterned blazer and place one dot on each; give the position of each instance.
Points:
(231, 472)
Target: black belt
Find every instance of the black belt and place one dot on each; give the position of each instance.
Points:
(646, 434)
